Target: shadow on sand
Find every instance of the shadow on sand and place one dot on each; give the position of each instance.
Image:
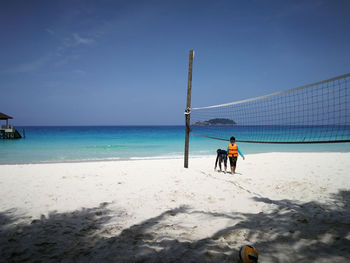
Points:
(292, 232)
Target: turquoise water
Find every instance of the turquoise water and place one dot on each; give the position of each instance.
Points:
(59, 144)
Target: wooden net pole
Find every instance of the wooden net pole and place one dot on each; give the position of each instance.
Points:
(188, 107)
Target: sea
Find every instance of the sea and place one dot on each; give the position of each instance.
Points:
(46, 144)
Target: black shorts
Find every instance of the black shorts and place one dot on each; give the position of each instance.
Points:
(233, 161)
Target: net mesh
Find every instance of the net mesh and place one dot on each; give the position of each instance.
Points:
(315, 113)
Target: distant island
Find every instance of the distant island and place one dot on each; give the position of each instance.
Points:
(216, 121)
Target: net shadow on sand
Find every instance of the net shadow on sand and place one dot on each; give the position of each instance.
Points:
(292, 232)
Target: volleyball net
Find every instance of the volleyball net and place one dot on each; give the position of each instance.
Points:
(314, 113)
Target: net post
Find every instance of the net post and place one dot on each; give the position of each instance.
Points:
(188, 107)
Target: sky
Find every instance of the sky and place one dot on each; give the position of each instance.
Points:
(111, 62)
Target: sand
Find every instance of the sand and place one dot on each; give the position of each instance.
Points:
(293, 207)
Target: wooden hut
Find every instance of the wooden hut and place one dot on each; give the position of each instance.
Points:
(8, 131)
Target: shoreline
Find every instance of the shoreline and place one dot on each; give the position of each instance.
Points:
(103, 160)
(121, 159)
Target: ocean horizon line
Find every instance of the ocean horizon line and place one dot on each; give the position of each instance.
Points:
(106, 125)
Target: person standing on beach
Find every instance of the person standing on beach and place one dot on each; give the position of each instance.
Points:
(233, 151)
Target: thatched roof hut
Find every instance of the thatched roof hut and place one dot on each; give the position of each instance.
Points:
(3, 116)
(8, 132)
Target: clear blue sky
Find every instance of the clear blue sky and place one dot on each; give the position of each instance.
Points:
(125, 62)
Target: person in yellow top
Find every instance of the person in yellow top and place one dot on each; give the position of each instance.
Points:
(233, 151)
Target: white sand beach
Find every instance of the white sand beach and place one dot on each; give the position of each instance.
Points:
(293, 207)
